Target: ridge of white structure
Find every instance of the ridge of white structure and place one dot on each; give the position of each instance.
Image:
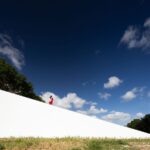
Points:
(24, 117)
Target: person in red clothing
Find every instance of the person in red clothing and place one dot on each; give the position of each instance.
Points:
(51, 101)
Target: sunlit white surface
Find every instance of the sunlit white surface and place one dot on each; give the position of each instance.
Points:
(24, 117)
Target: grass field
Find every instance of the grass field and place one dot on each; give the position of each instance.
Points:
(73, 144)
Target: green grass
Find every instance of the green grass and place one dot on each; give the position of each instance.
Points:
(73, 144)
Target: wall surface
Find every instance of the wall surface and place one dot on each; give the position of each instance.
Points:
(24, 117)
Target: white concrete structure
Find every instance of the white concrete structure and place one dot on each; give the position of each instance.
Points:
(24, 117)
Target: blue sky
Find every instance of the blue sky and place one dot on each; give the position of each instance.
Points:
(92, 56)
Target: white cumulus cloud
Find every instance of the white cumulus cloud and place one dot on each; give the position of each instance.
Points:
(132, 94)
(104, 96)
(93, 110)
(117, 117)
(134, 37)
(139, 115)
(73, 101)
(112, 82)
(68, 101)
(128, 96)
(7, 49)
(82, 112)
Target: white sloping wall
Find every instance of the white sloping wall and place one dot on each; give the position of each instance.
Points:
(24, 117)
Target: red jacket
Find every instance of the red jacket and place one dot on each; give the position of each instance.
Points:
(51, 101)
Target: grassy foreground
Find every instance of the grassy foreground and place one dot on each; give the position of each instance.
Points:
(73, 144)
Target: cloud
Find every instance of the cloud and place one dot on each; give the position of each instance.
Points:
(68, 101)
(93, 111)
(7, 49)
(132, 94)
(119, 117)
(134, 37)
(139, 115)
(85, 83)
(71, 100)
(147, 23)
(112, 82)
(93, 116)
(82, 112)
(128, 96)
(130, 37)
(104, 96)
(91, 103)
(148, 94)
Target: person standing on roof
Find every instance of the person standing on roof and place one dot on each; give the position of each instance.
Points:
(51, 101)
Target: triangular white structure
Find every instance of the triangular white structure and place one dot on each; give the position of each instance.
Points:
(24, 117)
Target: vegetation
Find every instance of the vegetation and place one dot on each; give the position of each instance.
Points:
(12, 81)
(142, 124)
(74, 144)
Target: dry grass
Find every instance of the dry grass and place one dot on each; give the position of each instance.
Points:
(73, 144)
